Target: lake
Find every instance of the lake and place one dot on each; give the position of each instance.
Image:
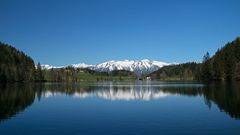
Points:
(120, 108)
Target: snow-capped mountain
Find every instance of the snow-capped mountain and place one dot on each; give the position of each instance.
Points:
(82, 65)
(46, 66)
(139, 67)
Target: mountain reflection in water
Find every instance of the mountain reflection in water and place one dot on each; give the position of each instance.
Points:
(14, 98)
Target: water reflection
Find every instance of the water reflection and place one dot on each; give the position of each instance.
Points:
(226, 96)
(124, 90)
(113, 91)
(15, 98)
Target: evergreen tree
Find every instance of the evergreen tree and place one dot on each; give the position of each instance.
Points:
(206, 67)
(237, 71)
(39, 77)
(15, 66)
(218, 69)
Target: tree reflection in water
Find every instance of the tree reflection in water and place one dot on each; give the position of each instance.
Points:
(14, 98)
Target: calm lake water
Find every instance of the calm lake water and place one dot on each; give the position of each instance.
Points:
(120, 108)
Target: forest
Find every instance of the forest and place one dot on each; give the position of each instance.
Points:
(223, 65)
(16, 66)
(70, 74)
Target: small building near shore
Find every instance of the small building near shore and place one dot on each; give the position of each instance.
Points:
(148, 78)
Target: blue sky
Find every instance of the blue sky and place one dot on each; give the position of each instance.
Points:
(63, 32)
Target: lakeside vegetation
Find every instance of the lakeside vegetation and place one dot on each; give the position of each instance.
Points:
(70, 74)
(15, 66)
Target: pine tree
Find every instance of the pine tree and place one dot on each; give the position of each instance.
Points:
(39, 77)
(206, 67)
(15, 66)
(237, 71)
(218, 70)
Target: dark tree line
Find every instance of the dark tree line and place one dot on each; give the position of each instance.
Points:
(15, 66)
(39, 73)
(186, 71)
(224, 65)
(70, 74)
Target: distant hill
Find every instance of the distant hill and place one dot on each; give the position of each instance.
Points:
(15, 66)
(185, 71)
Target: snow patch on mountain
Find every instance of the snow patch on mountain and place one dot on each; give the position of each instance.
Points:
(81, 65)
(46, 66)
(139, 67)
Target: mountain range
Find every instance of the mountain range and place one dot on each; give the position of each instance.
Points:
(139, 67)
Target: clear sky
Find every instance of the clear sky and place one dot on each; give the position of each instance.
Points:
(61, 32)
